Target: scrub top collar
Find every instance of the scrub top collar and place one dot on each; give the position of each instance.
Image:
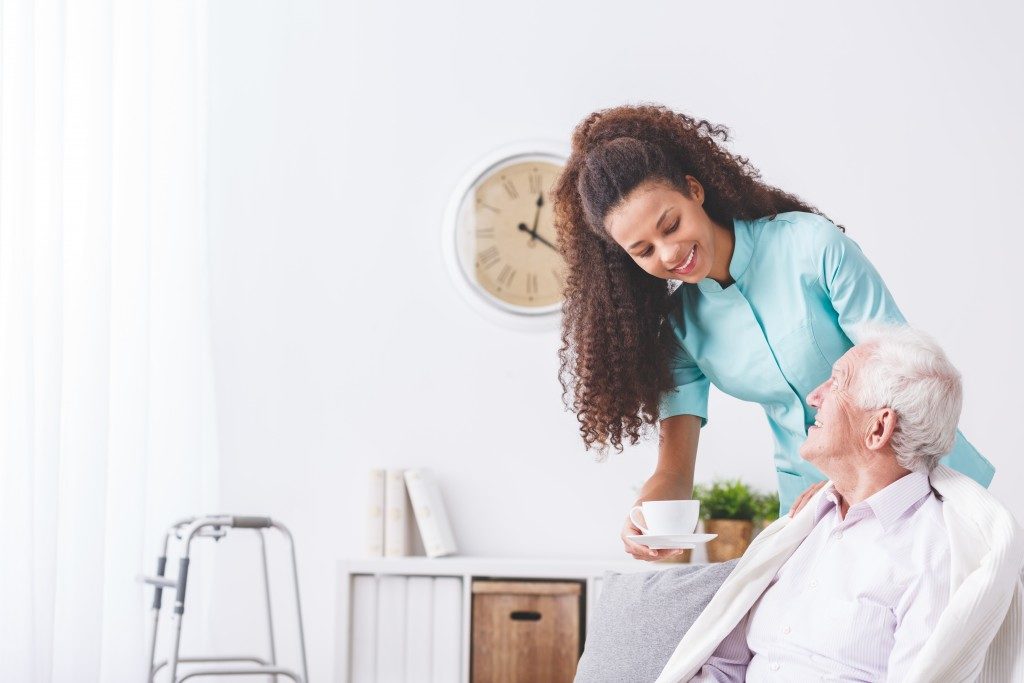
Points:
(743, 249)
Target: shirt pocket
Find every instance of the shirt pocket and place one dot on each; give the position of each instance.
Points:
(801, 361)
(851, 636)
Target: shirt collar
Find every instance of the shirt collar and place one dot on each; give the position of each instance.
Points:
(743, 248)
(888, 505)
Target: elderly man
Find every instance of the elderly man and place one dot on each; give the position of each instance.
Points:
(897, 569)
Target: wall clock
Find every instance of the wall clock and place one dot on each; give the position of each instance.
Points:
(500, 238)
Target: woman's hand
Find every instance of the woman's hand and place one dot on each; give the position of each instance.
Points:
(672, 478)
(804, 497)
(642, 552)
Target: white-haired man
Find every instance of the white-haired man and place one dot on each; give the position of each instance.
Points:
(898, 569)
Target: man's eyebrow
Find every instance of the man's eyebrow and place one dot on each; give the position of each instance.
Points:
(656, 227)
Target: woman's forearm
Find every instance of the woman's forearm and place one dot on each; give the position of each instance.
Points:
(677, 456)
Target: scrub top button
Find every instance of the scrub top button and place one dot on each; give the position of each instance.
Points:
(775, 666)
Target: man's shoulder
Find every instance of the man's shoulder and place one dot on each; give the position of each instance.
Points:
(973, 515)
(962, 496)
(929, 539)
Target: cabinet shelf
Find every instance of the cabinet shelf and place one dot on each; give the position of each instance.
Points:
(388, 608)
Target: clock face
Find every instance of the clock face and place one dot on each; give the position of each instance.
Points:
(506, 238)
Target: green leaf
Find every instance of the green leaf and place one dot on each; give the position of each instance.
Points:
(732, 499)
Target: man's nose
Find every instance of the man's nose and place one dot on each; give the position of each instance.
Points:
(812, 398)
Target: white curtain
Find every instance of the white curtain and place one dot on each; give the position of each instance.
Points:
(107, 427)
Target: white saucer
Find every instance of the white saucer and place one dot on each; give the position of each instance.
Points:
(672, 541)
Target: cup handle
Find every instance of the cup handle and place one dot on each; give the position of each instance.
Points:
(632, 518)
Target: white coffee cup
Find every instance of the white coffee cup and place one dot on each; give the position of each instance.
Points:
(665, 517)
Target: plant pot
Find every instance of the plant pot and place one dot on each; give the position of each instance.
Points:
(734, 537)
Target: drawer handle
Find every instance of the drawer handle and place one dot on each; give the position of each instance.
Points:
(525, 616)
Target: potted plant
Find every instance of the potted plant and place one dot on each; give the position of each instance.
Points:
(728, 508)
(767, 510)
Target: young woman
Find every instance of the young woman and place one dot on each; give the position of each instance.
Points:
(771, 294)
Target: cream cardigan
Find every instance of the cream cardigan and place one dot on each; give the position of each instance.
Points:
(980, 635)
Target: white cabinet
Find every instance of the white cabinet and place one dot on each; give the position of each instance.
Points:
(407, 620)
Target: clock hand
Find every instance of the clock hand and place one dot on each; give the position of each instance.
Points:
(535, 236)
(536, 217)
(545, 242)
(536, 222)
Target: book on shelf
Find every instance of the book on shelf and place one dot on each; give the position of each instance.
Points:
(419, 623)
(375, 514)
(396, 511)
(446, 631)
(431, 516)
(363, 660)
(391, 602)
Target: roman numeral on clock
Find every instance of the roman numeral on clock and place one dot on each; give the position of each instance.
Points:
(534, 182)
(513, 193)
(507, 274)
(531, 283)
(488, 257)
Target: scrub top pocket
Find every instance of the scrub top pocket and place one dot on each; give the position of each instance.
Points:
(801, 361)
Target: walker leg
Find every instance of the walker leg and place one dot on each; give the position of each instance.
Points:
(266, 588)
(179, 612)
(298, 605)
(152, 645)
(161, 563)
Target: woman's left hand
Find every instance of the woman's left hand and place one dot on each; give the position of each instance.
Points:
(804, 497)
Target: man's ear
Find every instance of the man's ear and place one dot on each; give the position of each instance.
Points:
(880, 429)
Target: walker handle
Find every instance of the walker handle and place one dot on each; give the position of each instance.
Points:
(251, 522)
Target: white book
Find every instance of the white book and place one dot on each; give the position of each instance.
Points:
(363, 639)
(447, 659)
(419, 627)
(391, 598)
(375, 514)
(431, 516)
(396, 511)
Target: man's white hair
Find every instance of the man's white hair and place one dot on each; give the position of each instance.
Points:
(906, 370)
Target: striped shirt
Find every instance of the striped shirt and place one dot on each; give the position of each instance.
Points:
(855, 601)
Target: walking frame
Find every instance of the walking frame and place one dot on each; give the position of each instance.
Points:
(216, 526)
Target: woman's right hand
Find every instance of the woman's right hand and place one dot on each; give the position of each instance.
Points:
(672, 478)
(642, 552)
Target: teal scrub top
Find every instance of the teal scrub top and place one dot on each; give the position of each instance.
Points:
(801, 287)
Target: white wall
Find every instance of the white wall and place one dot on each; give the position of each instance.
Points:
(338, 130)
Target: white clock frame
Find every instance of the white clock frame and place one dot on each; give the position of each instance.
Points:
(509, 315)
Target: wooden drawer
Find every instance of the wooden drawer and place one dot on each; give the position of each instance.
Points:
(526, 631)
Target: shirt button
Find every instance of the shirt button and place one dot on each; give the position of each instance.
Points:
(814, 584)
(839, 535)
(775, 666)
(786, 630)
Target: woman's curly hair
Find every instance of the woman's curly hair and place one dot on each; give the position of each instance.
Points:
(616, 339)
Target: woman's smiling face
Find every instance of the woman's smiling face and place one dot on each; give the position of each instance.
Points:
(668, 234)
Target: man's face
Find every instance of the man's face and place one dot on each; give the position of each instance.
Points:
(839, 422)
